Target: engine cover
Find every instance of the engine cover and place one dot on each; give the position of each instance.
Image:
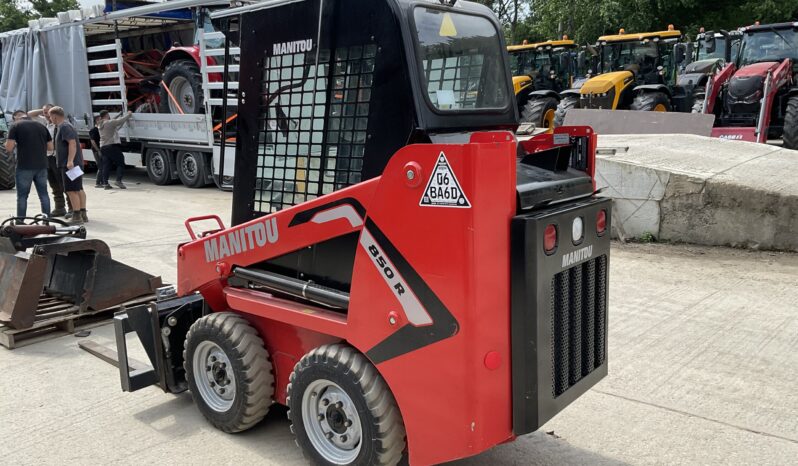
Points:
(746, 89)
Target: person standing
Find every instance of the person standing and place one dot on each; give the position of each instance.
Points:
(94, 137)
(32, 142)
(53, 175)
(68, 155)
(111, 146)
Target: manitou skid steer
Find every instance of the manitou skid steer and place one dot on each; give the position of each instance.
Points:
(540, 72)
(758, 99)
(403, 272)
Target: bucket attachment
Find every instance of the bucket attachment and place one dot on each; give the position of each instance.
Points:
(47, 270)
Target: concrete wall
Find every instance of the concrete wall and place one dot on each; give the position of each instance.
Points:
(701, 190)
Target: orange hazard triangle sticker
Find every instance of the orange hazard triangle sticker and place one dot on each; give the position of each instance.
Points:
(443, 189)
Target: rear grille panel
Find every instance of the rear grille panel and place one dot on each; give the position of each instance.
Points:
(578, 319)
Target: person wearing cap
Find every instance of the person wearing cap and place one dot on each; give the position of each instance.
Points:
(111, 146)
(42, 115)
(68, 156)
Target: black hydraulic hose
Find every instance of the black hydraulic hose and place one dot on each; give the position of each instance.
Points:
(299, 288)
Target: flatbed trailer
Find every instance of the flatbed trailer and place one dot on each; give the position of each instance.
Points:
(173, 147)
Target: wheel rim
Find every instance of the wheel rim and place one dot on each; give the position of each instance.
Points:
(660, 108)
(188, 165)
(331, 422)
(184, 94)
(157, 164)
(548, 119)
(213, 375)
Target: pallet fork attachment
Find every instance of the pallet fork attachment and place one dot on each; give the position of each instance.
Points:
(161, 329)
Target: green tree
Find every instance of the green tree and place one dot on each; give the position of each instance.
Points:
(12, 16)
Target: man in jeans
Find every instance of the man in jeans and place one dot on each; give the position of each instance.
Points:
(94, 137)
(53, 175)
(32, 141)
(68, 155)
(111, 147)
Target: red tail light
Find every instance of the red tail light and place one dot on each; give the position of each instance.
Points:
(601, 222)
(550, 239)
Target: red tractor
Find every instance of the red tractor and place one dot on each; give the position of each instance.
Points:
(756, 99)
(405, 273)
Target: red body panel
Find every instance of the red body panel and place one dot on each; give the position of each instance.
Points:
(756, 69)
(454, 392)
(735, 133)
(715, 85)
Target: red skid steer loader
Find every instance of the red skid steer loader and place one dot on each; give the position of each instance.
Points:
(406, 274)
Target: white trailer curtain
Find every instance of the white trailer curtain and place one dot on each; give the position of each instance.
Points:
(49, 66)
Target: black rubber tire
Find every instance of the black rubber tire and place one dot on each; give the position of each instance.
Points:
(189, 70)
(698, 103)
(8, 168)
(648, 101)
(192, 169)
(159, 166)
(250, 366)
(566, 103)
(380, 418)
(790, 135)
(535, 110)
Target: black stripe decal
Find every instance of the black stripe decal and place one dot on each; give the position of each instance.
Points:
(306, 215)
(410, 338)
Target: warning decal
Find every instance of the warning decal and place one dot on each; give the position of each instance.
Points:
(443, 189)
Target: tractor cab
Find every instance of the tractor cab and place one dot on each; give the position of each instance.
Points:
(717, 45)
(636, 71)
(758, 102)
(540, 72)
(333, 98)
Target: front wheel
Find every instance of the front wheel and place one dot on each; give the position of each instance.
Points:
(540, 111)
(651, 102)
(342, 411)
(698, 104)
(790, 135)
(568, 102)
(228, 371)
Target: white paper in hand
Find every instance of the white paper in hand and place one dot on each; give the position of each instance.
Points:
(74, 172)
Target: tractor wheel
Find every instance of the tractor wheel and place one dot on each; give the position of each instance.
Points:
(228, 371)
(8, 172)
(540, 111)
(159, 166)
(790, 135)
(185, 83)
(568, 102)
(341, 410)
(191, 169)
(651, 102)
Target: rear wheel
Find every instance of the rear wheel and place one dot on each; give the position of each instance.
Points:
(540, 111)
(790, 135)
(568, 102)
(191, 169)
(342, 411)
(228, 371)
(651, 102)
(184, 81)
(159, 166)
(8, 170)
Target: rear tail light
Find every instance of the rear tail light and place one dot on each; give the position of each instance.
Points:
(550, 239)
(601, 222)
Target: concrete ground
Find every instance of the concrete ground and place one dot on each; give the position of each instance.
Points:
(702, 348)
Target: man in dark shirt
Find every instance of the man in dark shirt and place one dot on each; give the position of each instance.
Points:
(68, 155)
(32, 141)
(94, 137)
